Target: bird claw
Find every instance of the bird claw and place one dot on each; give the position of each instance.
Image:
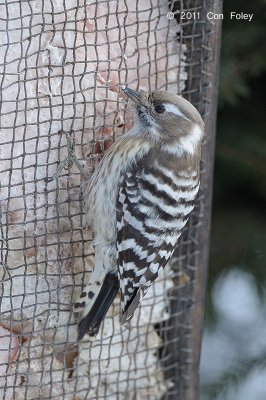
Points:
(70, 159)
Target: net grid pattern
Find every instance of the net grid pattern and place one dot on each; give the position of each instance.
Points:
(60, 63)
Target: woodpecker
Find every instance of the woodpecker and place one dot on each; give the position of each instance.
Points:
(138, 201)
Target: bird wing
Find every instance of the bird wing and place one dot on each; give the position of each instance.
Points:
(148, 227)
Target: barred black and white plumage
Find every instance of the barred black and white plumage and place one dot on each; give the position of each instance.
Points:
(139, 199)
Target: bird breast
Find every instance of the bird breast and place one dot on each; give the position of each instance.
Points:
(101, 192)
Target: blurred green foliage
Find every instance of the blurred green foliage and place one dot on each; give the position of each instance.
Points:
(238, 236)
(243, 50)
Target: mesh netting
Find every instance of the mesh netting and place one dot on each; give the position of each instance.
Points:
(61, 62)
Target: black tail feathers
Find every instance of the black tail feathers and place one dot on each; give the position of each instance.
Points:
(91, 322)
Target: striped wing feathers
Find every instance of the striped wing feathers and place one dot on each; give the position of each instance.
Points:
(152, 210)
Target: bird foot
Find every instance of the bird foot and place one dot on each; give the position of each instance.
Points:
(70, 159)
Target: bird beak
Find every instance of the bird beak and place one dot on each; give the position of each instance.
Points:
(132, 94)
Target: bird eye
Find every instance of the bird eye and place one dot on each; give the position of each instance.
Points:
(160, 109)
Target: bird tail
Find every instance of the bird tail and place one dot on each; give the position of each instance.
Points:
(94, 302)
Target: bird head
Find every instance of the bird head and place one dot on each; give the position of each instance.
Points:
(165, 116)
